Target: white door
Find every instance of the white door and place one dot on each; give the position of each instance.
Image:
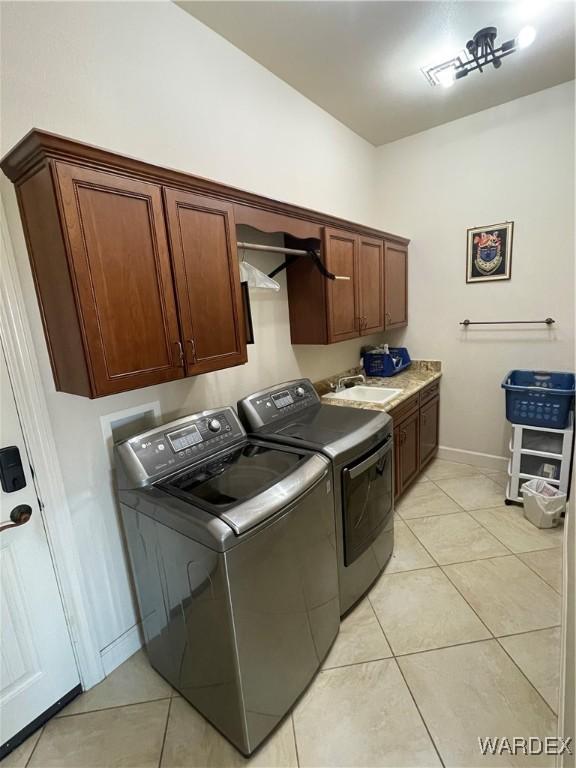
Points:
(37, 663)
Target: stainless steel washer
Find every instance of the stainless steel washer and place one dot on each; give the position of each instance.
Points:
(233, 551)
(359, 444)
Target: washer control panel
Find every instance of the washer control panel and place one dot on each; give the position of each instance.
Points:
(276, 403)
(166, 449)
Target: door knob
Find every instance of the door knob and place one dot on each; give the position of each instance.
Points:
(19, 515)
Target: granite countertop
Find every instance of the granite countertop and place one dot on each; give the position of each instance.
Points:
(413, 379)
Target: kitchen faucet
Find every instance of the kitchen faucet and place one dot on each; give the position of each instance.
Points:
(341, 382)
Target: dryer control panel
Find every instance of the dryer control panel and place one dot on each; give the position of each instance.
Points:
(166, 449)
(276, 403)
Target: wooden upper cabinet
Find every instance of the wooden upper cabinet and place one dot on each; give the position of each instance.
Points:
(371, 285)
(203, 242)
(118, 252)
(341, 258)
(324, 311)
(395, 285)
(136, 271)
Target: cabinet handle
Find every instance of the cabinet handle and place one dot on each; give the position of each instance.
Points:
(193, 348)
(387, 316)
(180, 353)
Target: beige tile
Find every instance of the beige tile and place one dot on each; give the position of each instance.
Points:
(361, 716)
(191, 742)
(473, 492)
(360, 639)
(440, 469)
(19, 757)
(132, 682)
(422, 609)
(126, 737)
(455, 538)
(510, 526)
(418, 489)
(506, 594)
(408, 553)
(499, 477)
(429, 501)
(547, 564)
(538, 656)
(476, 690)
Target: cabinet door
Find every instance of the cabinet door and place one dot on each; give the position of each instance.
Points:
(123, 281)
(203, 242)
(429, 430)
(395, 285)
(397, 463)
(341, 258)
(371, 285)
(409, 450)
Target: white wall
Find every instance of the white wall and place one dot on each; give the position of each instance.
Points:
(148, 80)
(513, 162)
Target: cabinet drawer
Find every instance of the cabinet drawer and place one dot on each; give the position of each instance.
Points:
(405, 409)
(430, 391)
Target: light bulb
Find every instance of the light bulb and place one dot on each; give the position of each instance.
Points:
(446, 77)
(526, 37)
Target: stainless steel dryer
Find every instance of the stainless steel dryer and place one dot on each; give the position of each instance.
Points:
(359, 444)
(233, 553)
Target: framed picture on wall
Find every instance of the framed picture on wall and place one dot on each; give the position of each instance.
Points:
(489, 253)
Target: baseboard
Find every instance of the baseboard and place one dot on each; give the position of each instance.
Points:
(121, 649)
(481, 460)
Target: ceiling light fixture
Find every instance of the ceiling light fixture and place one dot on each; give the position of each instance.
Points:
(480, 52)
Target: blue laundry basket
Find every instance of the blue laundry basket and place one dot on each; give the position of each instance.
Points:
(380, 364)
(539, 398)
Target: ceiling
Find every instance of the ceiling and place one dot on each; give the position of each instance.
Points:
(360, 61)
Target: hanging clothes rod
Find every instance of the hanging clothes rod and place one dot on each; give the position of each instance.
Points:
(273, 249)
(295, 252)
(548, 321)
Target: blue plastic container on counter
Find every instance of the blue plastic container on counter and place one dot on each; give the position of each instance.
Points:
(378, 363)
(539, 398)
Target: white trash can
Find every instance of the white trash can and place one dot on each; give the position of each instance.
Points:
(543, 503)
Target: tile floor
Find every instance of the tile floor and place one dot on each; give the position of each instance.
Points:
(459, 638)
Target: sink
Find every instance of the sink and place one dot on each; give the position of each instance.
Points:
(365, 394)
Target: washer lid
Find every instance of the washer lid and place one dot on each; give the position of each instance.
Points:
(245, 486)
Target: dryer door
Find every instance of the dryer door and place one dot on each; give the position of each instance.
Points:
(367, 499)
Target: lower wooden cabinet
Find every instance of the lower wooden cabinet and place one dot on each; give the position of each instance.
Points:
(415, 435)
(429, 414)
(407, 451)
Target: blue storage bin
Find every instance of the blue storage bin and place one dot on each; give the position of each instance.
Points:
(539, 398)
(382, 364)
